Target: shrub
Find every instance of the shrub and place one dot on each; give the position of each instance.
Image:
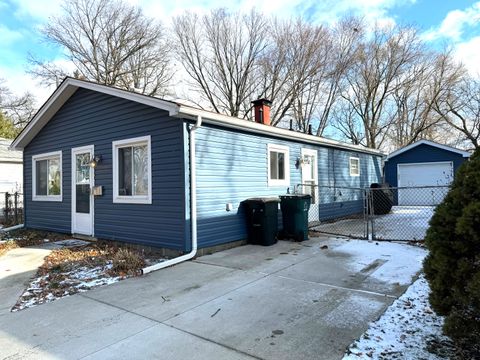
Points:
(127, 261)
(452, 267)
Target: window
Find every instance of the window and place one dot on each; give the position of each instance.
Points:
(354, 166)
(278, 165)
(132, 171)
(47, 177)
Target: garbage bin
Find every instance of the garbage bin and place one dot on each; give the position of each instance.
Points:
(262, 220)
(382, 198)
(295, 216)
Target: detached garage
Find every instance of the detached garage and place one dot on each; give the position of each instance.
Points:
(423, 164)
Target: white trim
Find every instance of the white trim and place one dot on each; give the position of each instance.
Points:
(431, 143)
(74, 151)
(286, 151)
(254, 127)
(70, 85)
(46, 156)
(350, 165)
(66, 89)
(314, 153)
(132, 199)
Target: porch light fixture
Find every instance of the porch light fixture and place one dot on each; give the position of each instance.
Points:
(304, 160)
(94, 161)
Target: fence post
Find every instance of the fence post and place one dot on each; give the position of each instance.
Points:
(372, 213)
(5, 210)
(15, 202)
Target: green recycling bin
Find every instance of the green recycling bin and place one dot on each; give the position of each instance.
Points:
(295, 216)
(262, 220)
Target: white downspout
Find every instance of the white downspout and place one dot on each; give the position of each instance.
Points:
(193, 208)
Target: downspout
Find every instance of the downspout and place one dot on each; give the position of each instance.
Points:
(193, 208)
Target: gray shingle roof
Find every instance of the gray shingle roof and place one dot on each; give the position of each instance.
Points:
(7, 155)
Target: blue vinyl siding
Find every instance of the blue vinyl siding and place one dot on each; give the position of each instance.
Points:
(420, 154)
(232, 166)
(90, 118)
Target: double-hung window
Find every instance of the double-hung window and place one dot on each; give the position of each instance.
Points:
(278, 165)
(132, 171)
(47, 177)
(354, 166)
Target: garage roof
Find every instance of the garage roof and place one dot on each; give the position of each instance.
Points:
(430, 143)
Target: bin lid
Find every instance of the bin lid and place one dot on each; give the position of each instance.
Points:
(295, 196)
(263, 199)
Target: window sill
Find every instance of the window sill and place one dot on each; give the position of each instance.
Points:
(57, 198)
(132, 200)
(276, 183)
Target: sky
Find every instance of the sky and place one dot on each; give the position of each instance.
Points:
(455, 23)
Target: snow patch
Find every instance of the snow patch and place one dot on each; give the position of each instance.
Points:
(404, 331)
(402, 261)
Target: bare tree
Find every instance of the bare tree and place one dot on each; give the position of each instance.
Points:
(344, 121)
(292, 69)
(219, 52)
(109, 42)
(314, 104)
(422, 87)
(15, 111)
(380, 68)
(460, 108)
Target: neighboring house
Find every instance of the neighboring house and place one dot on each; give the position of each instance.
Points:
(147, 153)
(11, 168)
(422, 164)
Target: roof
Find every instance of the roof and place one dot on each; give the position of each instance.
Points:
(429, 143)
(7, 155)
(68, 87)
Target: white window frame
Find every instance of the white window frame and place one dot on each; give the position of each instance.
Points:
(286, 151)
(131, 199)
(350, 165)
(40, 157)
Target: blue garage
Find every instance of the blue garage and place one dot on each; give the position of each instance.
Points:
(423, 163)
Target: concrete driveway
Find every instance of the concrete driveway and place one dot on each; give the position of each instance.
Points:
(288, 301)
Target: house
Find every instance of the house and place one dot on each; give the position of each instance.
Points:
(114, 164)
(422, 164)
(11, 168)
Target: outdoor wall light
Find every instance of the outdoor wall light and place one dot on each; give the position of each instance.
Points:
(304, 160)
(94, 161)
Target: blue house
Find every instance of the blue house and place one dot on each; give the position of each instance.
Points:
(422, 164)
(113, 164)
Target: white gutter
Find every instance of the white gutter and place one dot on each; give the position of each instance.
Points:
(251, 126)
(193, 208)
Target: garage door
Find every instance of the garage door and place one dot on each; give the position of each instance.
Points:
(438, 174)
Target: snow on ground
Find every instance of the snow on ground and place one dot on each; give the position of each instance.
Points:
(402, 223)
(407, 330)
(402, 261)
(41, 290)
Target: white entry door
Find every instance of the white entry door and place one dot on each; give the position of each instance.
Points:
(82, 198)
(414, 177)
(310, 180)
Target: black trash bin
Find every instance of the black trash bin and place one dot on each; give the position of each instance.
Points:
(262, 220)
(295, 216)
(382, 199)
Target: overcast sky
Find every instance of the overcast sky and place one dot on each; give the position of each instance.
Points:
(455, 22)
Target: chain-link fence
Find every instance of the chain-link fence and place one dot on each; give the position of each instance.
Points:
(337, 210)
(11, 209)
(403, 213)
(373, 213)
